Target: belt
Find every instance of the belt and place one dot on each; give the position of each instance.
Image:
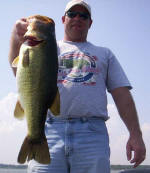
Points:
(82, 119)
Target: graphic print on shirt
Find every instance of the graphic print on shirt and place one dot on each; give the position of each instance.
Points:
(77, 68)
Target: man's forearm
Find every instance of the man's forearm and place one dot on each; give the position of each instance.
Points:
(17, 39)
(14, 51)
(127, 110)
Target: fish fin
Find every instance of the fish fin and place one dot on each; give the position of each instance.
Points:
(18, 112)
(38, 151)
(55, 107)
(15, 62)
(25, 61)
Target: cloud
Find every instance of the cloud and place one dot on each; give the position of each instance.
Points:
(12, 131)
(119, 135)
(7, 121)
(146, 127)
(7, 105)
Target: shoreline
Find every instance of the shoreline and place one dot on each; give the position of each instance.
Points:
(113, 167)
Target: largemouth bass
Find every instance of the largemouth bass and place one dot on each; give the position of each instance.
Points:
(37, 67)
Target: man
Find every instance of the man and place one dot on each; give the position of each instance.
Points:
(78, 138)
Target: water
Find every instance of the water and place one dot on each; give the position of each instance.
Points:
(8, 170)
(115, 171)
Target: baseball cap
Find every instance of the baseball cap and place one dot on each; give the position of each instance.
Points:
(78, 2)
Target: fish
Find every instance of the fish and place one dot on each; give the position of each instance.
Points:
(36, 78)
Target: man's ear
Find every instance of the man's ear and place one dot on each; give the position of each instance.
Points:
(90, 23)
(63, 19)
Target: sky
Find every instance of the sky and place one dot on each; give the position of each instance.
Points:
(121, 25)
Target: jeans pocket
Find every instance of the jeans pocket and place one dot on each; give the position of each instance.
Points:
(97, 125)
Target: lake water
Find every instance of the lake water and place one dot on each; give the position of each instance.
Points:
(2, 170)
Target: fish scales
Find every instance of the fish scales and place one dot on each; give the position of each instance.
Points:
(32, 82)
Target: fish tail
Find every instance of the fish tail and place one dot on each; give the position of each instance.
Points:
(36, 150)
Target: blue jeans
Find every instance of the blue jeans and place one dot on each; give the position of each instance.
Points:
(78, 145)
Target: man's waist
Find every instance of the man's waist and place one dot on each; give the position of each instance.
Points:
(73, 118)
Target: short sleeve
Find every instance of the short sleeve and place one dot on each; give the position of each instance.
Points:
(116, 76)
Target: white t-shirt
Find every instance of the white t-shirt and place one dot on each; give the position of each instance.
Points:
(85, 72)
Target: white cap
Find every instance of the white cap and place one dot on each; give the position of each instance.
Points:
(78, 2)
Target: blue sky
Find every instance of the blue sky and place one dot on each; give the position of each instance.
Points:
(121, 25)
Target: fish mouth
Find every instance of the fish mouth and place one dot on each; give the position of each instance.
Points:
(32, 41)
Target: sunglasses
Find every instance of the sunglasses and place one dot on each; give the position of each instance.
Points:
(82, 15)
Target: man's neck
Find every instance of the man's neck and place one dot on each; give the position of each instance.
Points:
(75, 40)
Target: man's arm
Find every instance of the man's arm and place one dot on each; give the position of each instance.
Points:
(16, 40)
(127, 110)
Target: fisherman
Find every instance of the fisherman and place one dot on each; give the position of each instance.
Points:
(78, 139)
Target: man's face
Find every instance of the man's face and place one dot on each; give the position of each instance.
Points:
(76, 28)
